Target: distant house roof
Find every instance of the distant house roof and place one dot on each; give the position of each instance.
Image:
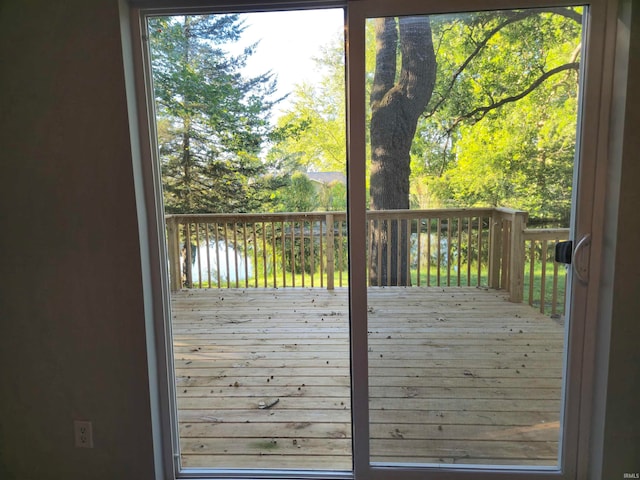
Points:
(326, 178)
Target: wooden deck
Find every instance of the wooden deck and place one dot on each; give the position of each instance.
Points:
(457, 375)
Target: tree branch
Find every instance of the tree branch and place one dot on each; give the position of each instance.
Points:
(513, 17)
(482, 111)
(565, 12)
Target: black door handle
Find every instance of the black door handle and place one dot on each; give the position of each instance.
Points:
(564, 251)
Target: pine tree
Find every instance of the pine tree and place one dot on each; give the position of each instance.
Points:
(212, 121)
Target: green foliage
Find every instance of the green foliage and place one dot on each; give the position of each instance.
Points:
(211, 121)
(500, 129)
(333, 197)
(537, 287)
(311, 135)
(318, 138)
(522, 158)
(298, 195)
(478, 143)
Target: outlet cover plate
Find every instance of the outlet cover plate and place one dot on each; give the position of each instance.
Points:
(83, 433)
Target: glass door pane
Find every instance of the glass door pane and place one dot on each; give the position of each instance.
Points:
(250, 118)
(472, 122)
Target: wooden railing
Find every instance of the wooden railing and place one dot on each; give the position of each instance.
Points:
(546, 279)
(445, 247)
(257, 250)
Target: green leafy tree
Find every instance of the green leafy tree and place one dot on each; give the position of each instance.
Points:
(212, 121)
(522, 158)
(311, 134)
(314, 126)
(476, 109)
(500, 129)
(298, 195)
(333, 197)
(434, 75)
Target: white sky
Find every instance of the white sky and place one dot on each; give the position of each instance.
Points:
(288, 43)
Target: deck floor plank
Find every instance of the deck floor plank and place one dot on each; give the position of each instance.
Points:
(457, 375)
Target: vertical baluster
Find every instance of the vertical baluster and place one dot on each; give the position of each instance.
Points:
(408, 225)
(554, 292)
(273, 249)
(506, 249)
(197, 231)
(418, 248)
(235, 253)
(264, 255)
(330, 255)
(459, 246)
(246, 254)
(217, 250)
(543, 275)
(293, 254)
(532, 268)
(187, 260)
(340, 252)
(256, 270)
(376, 233)
(284, 263)
(378, 240)
(208, 243)
(173, 245)
(226, 253)
(428, 251)
(389, 241)
(480, 250)
(302, 251)
(449, 228)
(321, 252)
(312, 264)
(564, 292)
(469, 251)
(399, 226)
(370, 254)
(439, 233)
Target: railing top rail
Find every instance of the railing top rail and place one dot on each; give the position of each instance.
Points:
(508, 211)
(256, 217)
(431, 213)
(545, 233)
(296, 216)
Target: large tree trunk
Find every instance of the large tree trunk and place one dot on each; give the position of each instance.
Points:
(396, 107)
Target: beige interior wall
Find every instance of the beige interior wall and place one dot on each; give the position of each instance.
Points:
(72, 340)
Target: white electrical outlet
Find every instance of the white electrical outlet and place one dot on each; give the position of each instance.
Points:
(83, 433)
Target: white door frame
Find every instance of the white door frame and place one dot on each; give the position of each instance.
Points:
(588, 201)
(588, 219)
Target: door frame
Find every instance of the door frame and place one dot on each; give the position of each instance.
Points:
(586, 217)
(589, 218)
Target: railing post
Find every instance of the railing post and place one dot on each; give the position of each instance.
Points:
(516, 257)
(173, 246)
(495, 248)
(330, 252)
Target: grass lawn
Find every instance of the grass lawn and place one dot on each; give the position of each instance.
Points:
(531, 295)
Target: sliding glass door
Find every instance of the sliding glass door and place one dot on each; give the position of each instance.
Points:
(256, 229)
(468, 168)
(359, 205)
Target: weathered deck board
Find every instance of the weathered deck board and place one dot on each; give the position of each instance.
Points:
(457, 375)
